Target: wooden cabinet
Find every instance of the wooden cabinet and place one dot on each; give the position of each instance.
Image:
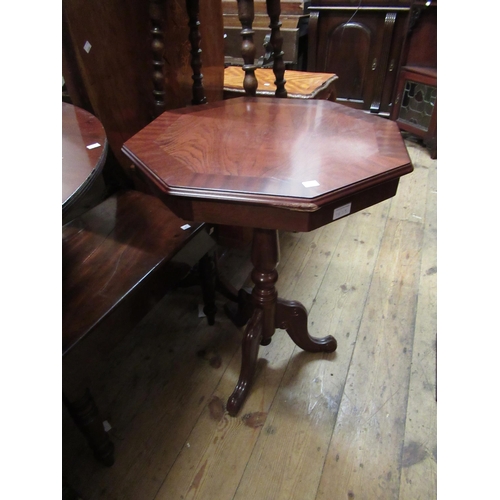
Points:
(415, 101)
(363, 45)
(415, 105)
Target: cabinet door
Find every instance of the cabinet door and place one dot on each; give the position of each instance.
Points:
(350, 47)
(363, 48)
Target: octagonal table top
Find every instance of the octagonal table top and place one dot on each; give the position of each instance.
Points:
(269, 151)
(271, 163)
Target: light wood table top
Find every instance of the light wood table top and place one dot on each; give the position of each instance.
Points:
(299, 84)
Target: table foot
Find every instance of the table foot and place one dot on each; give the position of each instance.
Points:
(249, 351)
(292, 317)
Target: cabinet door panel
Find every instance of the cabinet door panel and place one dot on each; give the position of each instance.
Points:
(350, 46)
(352, 63)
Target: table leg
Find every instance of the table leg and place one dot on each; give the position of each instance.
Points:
(249, 351)
(270, 313)
(292, 317)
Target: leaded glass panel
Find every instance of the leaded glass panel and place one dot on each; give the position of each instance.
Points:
(417, 104)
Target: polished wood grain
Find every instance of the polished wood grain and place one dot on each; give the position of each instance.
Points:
(118, 260)
(80, 165)
(195, 161)
(112, 250)
(299, 84)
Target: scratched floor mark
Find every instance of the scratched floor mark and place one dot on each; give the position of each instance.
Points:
(255, 419)
(413, 453)
(216, 408)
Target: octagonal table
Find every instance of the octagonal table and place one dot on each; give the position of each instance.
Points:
(270, 164)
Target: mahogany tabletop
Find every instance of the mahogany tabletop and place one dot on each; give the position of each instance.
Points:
(278, 163)
(84, 148)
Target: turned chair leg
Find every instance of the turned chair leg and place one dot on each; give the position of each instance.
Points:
(86, 416)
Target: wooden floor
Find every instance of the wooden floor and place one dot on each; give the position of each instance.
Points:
(356, 424)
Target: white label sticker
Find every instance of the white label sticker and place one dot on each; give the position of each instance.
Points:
(185, 226)
(310, 184)
(87, 47)
(93, 146)
(341, 211)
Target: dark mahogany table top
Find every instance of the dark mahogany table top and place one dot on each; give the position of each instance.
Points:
(80, 165)
(281, 154)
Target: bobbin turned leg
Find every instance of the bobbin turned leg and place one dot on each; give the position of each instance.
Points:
(156, 15)
(274, 11)
(248, 50)
(193, 9)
